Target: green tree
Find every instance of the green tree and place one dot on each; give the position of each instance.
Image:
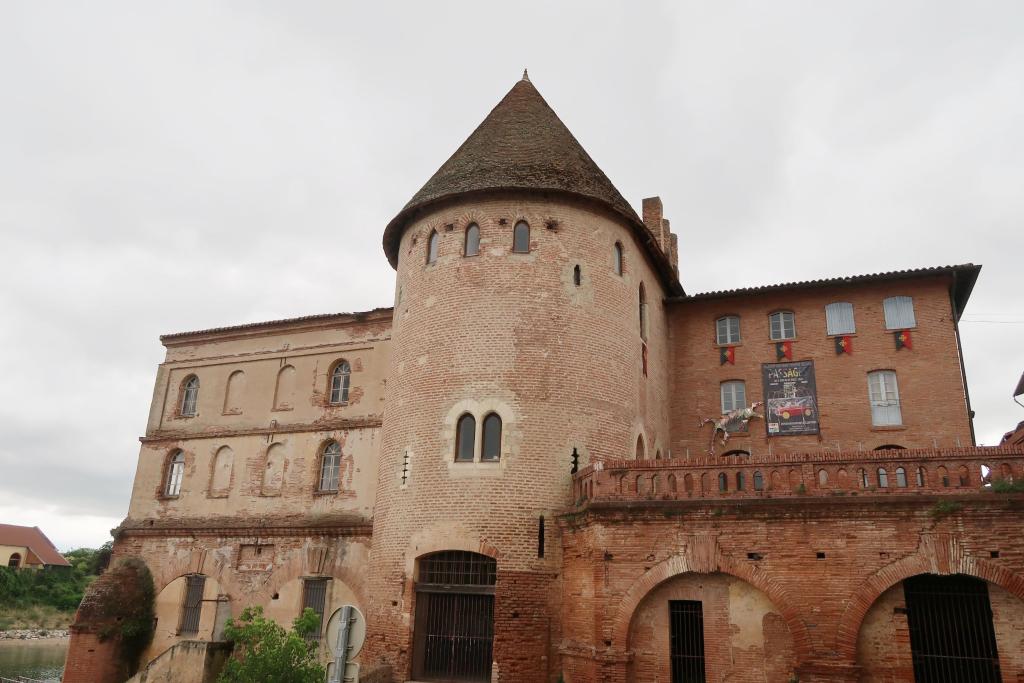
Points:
(265, 651)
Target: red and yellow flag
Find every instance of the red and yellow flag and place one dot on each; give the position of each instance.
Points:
(784, 349)
(903, 340)
(844, 345)
(727, 354)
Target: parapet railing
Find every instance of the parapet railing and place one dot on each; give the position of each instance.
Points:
(946, 471)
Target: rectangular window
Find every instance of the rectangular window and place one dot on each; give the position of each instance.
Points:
(686, 640)
(734, 395)
(782, 325)
(899, 313)
(192, 605)
(728, 330)
(314, 596)
(884, 395)
(839, 318)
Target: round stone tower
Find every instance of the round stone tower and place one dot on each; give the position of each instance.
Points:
(529, 337)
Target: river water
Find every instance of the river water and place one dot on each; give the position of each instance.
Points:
(41, 659)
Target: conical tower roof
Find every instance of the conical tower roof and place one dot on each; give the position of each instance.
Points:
(521, 145)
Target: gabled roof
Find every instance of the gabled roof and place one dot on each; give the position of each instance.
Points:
(523, 145)
(35, 540)
(964, 277)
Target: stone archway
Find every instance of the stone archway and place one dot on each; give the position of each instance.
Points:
(701, 555)
(940, 553)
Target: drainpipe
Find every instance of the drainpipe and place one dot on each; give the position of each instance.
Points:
(960, 353)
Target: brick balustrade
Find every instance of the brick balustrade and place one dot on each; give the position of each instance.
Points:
(946, 471)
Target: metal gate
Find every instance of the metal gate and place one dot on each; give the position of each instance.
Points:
(686, 640)
(454, 635)
(192, 606)
(952, 638)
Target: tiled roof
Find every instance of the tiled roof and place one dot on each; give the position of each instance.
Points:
(522, 145)
(267, 324)
(35, 540)
(966, 275)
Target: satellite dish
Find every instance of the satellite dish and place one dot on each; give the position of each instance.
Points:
(356, 631)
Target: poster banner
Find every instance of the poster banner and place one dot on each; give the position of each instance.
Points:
(790, 398)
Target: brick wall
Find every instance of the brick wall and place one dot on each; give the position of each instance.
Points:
(91, 660)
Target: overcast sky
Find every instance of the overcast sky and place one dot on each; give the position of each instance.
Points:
(174, 166)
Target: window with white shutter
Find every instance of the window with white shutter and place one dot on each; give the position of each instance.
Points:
(899, 313)
(839, 318)
(884, 395)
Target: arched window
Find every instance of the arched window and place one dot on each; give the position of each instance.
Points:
(273, 474)
(577, 275)
(472, 245)
(339, 383)
(175, 472)
(822, 478)
(864, 483)
(15, 561)
(657, 454)
(758, 481)
(782, 325)
(723, 482)
(220, 477)
(901, 478)
(521, 238)
(618, 258)
(284, 392)
(740, 481)
(234, 393)
(492, 438)
(640, 447)
(737, 452)
(727, 330)
(920, 476)
(433, 242)
(190, 396)
(964, 475)
(883, 478)
(643, 312)
(465, 438)
(330, 466)
(688, 483)
(943, 476)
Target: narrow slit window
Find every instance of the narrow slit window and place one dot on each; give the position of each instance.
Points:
(577, 275)
(618, 258)
(465, 438)
(472, 246)
(642, 298)
(540, 536)
(521, 238)
(432, 246)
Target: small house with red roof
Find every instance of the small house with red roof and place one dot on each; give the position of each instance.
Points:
(27, 547)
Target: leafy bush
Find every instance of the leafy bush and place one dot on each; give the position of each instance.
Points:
(1008, 485)
(265, 651)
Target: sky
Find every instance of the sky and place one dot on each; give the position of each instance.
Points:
(176, 166)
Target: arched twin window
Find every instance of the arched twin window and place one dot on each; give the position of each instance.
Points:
(472, 245)
(190, 396)
(175, 473)
(465, 439)
(521, 238)
(433, 243)
(330, 467)
(340, 378)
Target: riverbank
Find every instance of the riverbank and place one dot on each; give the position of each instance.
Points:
(41, 659)
(33, 634)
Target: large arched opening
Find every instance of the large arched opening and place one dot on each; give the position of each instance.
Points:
(191, 607)
(931, 628)
(453, 633)
(696, 627)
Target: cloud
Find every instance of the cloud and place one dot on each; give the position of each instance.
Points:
(193, 164)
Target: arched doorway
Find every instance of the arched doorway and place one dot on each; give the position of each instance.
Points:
(695, 627)
(931, 628)
(453, 637)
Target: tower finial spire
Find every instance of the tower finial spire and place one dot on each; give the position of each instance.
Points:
(526, 76)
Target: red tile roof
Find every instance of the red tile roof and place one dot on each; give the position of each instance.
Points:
(35, 540)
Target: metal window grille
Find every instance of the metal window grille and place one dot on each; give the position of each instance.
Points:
(839, 318)
(492, 438)
(192, 607)
(330, 467)
(884, 395)
(734, 395)
(175, 472)
(472, 247)
(190, 397)
(727, 330)
(314, 596)
(952, 637)
(782, 325)
(458, 568)
(340, 381)
(521, 238)
(686, 641)
(899, 313)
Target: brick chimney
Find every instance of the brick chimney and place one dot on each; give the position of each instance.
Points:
(658, 225)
